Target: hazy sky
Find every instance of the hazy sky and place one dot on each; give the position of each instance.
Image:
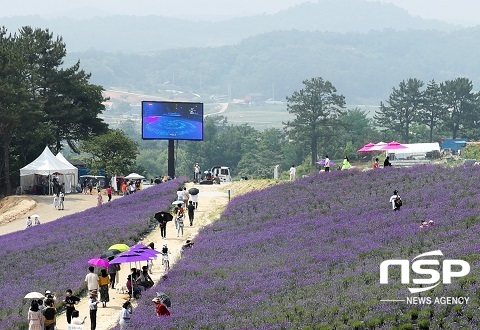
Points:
(457, 11)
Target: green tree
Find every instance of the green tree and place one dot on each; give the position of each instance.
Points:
(317, 108)
(15, 108)
(433, 112)
(401, 108)
(112, 151)
(70, 102)
(462, 104)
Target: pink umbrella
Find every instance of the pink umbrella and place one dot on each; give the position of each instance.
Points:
(378, 146)
(366, 147)
(98, 262)
(394, 145)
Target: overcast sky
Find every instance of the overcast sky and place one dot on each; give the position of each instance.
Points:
(464, 12)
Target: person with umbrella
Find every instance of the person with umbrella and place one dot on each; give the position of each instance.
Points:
(194, 196)
(160, 308)
(163, 218)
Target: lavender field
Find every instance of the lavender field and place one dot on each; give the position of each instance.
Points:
(306, 255)
(54, 255)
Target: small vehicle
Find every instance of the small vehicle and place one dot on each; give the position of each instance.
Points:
(223, 172)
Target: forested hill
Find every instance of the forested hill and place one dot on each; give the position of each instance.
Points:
(362, 66)
(158, 32)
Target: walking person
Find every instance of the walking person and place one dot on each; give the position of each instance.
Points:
(293, 173)
(327, 164)
(109, 193)
(163, 226)
(70, 301)
(196, 173)
(99, 198)
(186, 196)
(396, 201)
(92, 280)
(92, 305)
(103, 282)
(112, 272)
(180, 219)
(194, 199)
(35, 318)
(37, 221)
(50, 315)
(61, 197)
(191, 212)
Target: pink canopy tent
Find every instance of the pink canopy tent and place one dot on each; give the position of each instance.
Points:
(394, 145)
(378, 146)
(366, 148)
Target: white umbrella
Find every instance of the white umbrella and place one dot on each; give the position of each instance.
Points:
(177, 202)
(34, 295)
(34, 216)
(134, 176)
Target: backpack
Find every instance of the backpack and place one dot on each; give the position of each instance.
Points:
(398, 202)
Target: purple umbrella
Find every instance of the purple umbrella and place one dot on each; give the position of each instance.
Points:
(98, 262)
(129, 257)
(322, 162)
(140, 248)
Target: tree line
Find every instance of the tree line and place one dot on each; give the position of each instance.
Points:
(41, 102)
(44, 102)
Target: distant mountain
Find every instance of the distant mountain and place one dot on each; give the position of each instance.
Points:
(135, 34)
(362, 66)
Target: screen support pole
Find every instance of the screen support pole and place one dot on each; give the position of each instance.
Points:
(171, 158)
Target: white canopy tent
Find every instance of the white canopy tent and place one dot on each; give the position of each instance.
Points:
(70, 179)
(415, 150)
(47, 164)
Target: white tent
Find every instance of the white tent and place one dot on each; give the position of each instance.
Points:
(45, 164)
(70, 179)
(134, 176)
(415, 150)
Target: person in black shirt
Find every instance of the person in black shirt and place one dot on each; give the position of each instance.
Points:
(191, 212)
(387, 162)
(70, 301)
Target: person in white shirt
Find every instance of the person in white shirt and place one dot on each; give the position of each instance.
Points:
(293, 172)
(76, 318)
(395, 206)
(327, 164)
(29, 222)
(92, 279)
(125, 315)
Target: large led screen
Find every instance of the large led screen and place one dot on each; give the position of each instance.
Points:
(163, 120)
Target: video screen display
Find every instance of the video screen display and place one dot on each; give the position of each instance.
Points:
(162, 120)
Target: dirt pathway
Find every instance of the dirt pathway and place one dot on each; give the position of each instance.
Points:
(212, 200)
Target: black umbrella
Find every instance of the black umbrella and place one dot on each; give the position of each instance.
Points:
(161, 216)
(193, 191)
(164, 298)
(109, 254)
